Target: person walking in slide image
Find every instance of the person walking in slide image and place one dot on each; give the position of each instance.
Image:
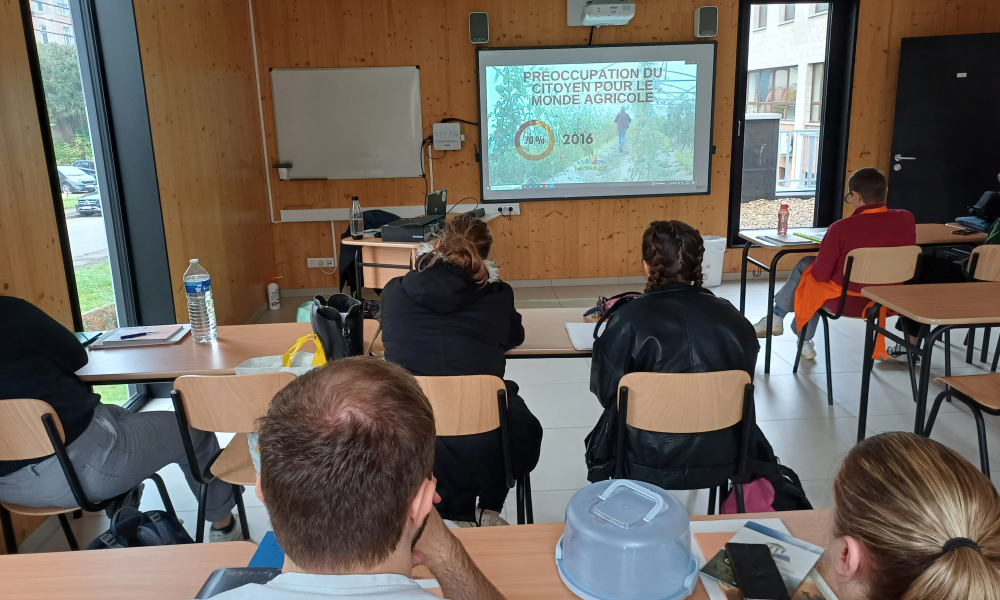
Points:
(622, 120)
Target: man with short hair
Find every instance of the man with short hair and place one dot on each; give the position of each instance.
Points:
(347, 453)
(819, 279)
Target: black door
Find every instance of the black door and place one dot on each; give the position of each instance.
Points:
(946, 132)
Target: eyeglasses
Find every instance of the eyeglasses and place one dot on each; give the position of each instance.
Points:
(847, 197)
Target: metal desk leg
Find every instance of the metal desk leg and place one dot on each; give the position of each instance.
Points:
(357, 271)
(743, 278)
(925, 377)
(772, 274)
(866, 370)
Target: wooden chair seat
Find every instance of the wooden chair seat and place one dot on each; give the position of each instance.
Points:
(983, 389)
(36, 512)
(234, 464)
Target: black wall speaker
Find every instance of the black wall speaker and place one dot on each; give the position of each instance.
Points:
(479, 27)
(706, 21)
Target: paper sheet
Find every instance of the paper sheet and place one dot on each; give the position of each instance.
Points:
(582, 335)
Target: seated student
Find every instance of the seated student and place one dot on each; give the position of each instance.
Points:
(816, 280)
(111, 449)
(676, 326)
(452, 315)
(914, 520)
(346, 457)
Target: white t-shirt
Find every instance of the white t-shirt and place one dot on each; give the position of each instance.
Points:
(301, 586)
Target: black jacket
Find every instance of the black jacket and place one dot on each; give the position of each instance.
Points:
(674, 329)
(39, 359)
(438, 322)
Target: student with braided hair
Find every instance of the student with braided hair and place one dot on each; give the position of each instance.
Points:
(676, 326)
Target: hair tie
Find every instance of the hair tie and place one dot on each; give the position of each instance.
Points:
(959, 542)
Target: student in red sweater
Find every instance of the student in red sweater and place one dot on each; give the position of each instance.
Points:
(871, 225)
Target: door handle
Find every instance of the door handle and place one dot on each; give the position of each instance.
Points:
(900, 157)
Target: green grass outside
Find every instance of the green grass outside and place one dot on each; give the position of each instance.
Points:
(69, 202)
(112, 394)
(95, 286)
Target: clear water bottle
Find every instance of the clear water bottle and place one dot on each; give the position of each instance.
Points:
(357, 219)
(201, 307)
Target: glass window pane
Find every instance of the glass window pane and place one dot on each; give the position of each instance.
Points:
(781, 137)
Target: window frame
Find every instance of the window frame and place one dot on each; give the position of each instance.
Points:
(842, 28)
(815, 12)
(785, 19)
(790, 84)
(813, 101)
(762, 10)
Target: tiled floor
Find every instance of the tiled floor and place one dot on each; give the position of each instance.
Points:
(807, 434)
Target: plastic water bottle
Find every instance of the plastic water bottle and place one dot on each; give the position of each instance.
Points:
(201, 307)
(357, 219)
(783, 220)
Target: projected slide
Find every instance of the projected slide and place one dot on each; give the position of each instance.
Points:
(590, 129)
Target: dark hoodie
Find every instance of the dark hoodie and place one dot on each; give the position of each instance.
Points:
(439, 322)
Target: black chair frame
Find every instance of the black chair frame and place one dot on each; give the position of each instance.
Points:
(76, 488)
(525, 510)
(977, 412)
(748, 420)
(203, 475)
(828, 316)
(970, 337)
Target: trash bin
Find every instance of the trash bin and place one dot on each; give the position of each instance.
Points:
(711, 263)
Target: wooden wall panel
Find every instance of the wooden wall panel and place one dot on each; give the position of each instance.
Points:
(197, 60)
(31, 264)
(550, 239)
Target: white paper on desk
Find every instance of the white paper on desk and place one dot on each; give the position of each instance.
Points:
(732, 526)
(582, 335)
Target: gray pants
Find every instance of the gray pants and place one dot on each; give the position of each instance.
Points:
(784, 300)
(114, 454)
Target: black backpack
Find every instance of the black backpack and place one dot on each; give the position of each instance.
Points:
(132, 529)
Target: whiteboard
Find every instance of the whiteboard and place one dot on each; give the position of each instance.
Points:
(361, 123)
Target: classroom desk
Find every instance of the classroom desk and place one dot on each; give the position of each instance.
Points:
(928, 235)
(939, 308)
(519, 560)
(545, 336)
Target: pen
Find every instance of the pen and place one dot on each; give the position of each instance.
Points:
(135, 335)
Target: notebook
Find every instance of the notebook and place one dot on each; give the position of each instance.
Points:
(582, 334)
(152, 335)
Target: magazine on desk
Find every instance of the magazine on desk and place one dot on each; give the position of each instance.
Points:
(795, 558)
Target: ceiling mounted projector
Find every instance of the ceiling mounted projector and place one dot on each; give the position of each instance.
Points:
(599, 13)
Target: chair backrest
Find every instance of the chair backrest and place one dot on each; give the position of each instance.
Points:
(987, 259)
(684, 402)
(464, 405)
(22, 434)
(228, 403)
(883, 266)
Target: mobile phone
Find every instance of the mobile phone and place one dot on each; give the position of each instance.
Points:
(756, 573)
(963, 231)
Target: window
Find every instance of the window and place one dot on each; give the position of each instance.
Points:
(39, 7)
(773, 91)
(45, 35)
(819, 8)
(816, 93)
(787, 13)
(63, 7)
(760, 19)
(68, 34)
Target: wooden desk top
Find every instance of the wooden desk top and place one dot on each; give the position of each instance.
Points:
(942, 303)
(519, 560)
(545, 334)
(374, 241)
(164, 573)
(928, 234)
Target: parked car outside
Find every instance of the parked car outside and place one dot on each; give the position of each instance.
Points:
(73, 180)
(89, 204)
(87, 166)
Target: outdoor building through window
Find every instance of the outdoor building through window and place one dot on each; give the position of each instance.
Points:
(784, 112)
(820, 8)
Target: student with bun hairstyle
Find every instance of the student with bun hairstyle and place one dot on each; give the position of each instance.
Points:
(452, 315)
(913, 520)
(676, 326)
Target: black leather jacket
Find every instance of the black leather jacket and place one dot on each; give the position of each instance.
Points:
(677, 328)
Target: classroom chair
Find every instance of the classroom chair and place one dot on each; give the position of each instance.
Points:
(867, 266)
(981, 393)
(473, 404)
(375, 347)
(984, 265)
(230, 404)
(31, 429)
(689, 403)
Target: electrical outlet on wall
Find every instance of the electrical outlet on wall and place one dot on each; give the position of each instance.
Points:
(503, 208)
(321, 263)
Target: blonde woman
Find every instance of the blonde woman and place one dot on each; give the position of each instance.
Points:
(914, 521)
